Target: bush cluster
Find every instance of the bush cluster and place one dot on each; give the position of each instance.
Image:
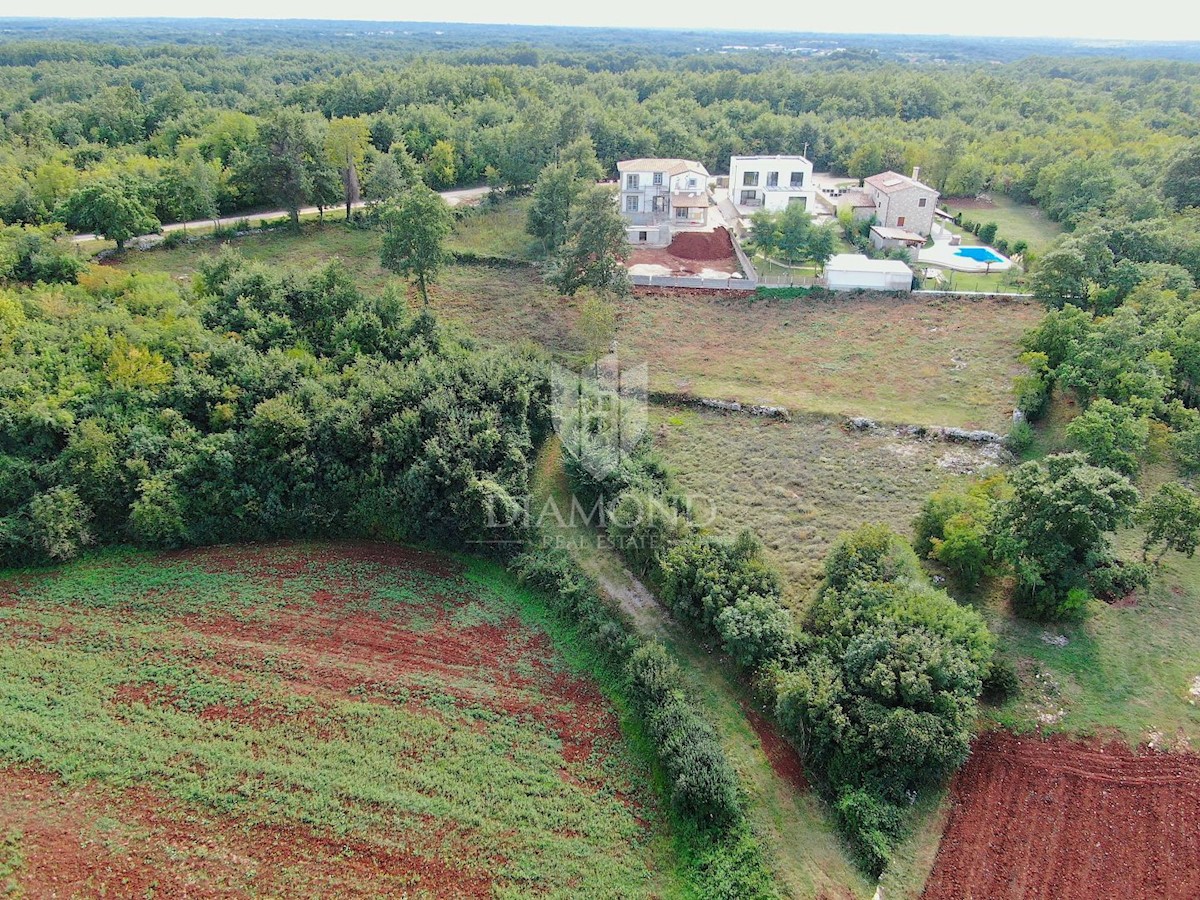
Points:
(269, 404)
(879, 689)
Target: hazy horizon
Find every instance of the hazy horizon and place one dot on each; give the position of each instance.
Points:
(1153, 22)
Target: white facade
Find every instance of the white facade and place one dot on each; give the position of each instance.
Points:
(771, 183)
(853, 271)
(658, 192)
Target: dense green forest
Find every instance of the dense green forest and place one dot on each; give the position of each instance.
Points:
(185, 130)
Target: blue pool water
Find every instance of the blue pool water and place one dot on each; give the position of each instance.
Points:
(980, 254)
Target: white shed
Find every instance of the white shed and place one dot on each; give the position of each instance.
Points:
(853, 271)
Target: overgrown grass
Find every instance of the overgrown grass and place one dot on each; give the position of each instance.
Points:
(929, 361)
(119, 671)
(798, 485)
(943, 361)
(496, 230)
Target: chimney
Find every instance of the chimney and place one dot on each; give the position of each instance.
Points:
(916, 173)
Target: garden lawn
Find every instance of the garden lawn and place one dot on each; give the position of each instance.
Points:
(1015, 221)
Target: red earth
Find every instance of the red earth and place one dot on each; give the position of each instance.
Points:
(690, 252)
(326, 644)
(1035, 818)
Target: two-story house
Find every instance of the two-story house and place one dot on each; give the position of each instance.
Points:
(660, 195)
(902, 202)
(770, 182)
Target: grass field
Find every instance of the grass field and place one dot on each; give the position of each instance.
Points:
(1015, 221)
(929, 361)
(495, 231)
(800, 484)
(938, 361)
(303, 720)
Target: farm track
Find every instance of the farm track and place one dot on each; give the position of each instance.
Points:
(1070, 821)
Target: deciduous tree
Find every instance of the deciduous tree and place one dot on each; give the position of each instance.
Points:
(415, 228)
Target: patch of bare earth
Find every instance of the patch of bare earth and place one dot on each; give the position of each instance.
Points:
(1070, 821)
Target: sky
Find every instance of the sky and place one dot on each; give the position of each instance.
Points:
(1145, 20)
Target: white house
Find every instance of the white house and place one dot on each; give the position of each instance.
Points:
(770, 182)
(659, 196)
(853, 271)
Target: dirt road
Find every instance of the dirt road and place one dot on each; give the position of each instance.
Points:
(453, 198)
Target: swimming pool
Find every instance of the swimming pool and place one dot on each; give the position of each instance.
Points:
(980, 254)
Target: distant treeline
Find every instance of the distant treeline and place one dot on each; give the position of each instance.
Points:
(165, 116)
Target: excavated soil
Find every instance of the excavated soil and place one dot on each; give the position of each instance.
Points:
(691, 253)
(1059, 819)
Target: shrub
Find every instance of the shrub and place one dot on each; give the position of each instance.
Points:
(1019, 438)
(873, 826)
(987, 232)
(1118, 579)
(1110, 435)
(1019, 247)
(1002, 682)
(59, 523)
(701, 576)
(872, 553)
(642, 526)
(755, 630)
(702, 785)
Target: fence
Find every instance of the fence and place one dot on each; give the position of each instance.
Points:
(681, 281)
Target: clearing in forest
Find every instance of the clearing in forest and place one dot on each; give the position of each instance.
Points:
(294, 720)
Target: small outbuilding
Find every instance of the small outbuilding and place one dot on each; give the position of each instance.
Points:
(885, 238)
(853, 271)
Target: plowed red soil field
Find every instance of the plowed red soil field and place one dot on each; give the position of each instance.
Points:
(299, 720)
(1059, 819)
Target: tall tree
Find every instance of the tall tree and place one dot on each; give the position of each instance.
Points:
(1171, 518)
(1181, 178)
(415, 228)
(285, 161)
(442, 164)
(109, 208)
(555, 191)
(190, 188)
(1054, 531)
(346, 142)
(596, 248)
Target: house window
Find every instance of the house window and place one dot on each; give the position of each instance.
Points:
(802, 202)
(631, 204)
(659, 204)
(772, 179)
(922, 201)
(797, 179)
(631, 182)
(750, 179)
(749, 197)
(691, 183)
(682, 212)
(899, 221)
(658, 179)
(642, 237)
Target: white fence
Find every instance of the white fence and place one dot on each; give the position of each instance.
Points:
(681, 281)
